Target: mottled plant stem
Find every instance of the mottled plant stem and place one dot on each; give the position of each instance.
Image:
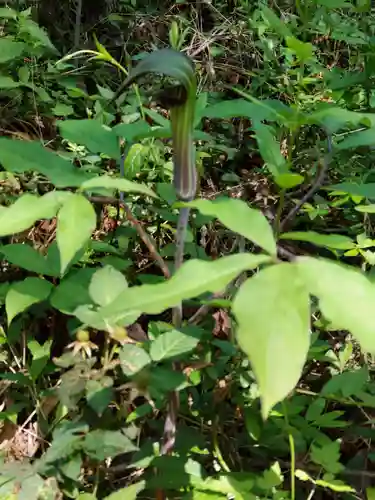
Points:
(169, 434)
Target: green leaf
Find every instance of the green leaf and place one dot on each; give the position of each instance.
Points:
(107, 182)
(28, 209)
(61, 109)
(133, 359)
(106, 284)
(21, 156)
(333, 118)
(99, 394)
(8, 13)
(346, 297)
(127, 493)
(362, 190)
(72, 291)
(101, 444)
(24, 294)
(303, 50)
(10, 49)
(237, 216)
(76, 221)
(289, 180)
(239, 108)
(367, 209)
(269, 149)
(37, 33)
(272, 312)
(191, 280)
(336, 241)
(6, 82)
(279, 26)
(135, 160)
(172, 344)
(357, 139)
(25, 256)
(96, 137)
(133, 132)
(41, 355)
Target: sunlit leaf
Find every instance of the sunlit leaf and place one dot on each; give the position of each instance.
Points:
(364, 190)
(28, 209)
(336, 241)
(194, 278)
(76, 221)
(106, 284)
(270, 150)
(133, 359)
(107, 182)
(346, 297)
(24, 294)
(236, 215)
(172, 343)
(273, 316)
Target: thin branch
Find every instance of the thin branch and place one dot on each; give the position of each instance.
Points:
(77, 27)
(319, 179)
(147, 241)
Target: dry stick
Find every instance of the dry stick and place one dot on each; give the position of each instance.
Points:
(319, 179)
(146, 240)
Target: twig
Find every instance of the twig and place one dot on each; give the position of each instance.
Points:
(147, 241)
(319, 179)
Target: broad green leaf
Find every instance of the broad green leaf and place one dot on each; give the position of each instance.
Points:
(41, 355)
(10, 49)
(273, 316)
(8, 13)
(194, 278)
(133, 359)
(106, 284)
(279, 26)
(93, 135)
(36, 32)
(171, 344)
(101, 444)
(269, 149)
(357, 139)
(61, 109)
(368, 209)
(334, 4)
(133, 131)
(362, 190)
(24, 294)
(25, 256)
(6, 82)
(128, 493)
(134, 160)
(289, 180)
(346, 297)
(239, 108)
(99, 394)
(107, 182)
(333, 118)
(72, 291)
(237, 216)
(302, 50)
(76, 221)
(21, 156)
(336, 241)
(28, 209)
